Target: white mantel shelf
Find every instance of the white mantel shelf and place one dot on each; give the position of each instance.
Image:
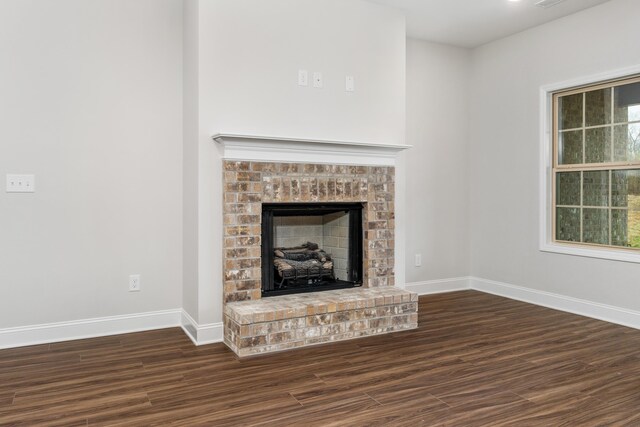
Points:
(280, 149)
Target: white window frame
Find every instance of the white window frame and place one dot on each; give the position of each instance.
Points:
(546, 243)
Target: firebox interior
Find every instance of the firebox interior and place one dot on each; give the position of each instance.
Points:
(311, 247)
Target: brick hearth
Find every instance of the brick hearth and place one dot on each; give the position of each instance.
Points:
(289, 321)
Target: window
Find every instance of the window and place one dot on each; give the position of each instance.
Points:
(596, 165)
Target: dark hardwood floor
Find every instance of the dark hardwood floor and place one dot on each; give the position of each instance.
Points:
(476, 359)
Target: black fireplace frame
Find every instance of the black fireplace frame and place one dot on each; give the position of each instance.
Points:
(355, 254)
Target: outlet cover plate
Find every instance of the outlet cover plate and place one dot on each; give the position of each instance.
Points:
(317, 79)
(21, 183)
(134, 283)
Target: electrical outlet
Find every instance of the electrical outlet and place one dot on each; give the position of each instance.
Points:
(134, 283)
(418, 260)
(21, 183)
(317, 79)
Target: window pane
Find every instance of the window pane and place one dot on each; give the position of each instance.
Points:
(595, 188)
(570, 147)
(627, 103)
(626, 142)
(598, 107)
(595, 226)
(625, 189)
(625, 229)
(619, 220)
(568, 189)
(568, 224)
(633, 228)
(597, 145)
(570, 111)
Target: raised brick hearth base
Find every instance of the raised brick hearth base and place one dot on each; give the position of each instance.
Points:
(289, 321)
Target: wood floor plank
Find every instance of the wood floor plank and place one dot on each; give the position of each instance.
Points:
(94, 344)
(87, 390)
(75, 412)
(34, 361)
(49, 377)
(20, 352)
(322, 415)
(199, 412)
(475, 360)
(6, 398)
(488, 411)
(418, 395)
(550, 410)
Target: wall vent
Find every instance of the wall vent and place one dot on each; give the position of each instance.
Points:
(547, 3)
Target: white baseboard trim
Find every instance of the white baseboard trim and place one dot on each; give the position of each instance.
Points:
(213, 332)
(88, 328)
(209, 333)
(608, 313)
(429, 287)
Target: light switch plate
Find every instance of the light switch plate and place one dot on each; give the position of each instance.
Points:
(418, 262)
(303, 77)
(21, 183)
(350, 84)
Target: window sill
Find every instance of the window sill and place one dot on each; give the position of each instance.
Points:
(591, 252)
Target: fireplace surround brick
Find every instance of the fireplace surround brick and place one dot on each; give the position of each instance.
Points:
(248, 184)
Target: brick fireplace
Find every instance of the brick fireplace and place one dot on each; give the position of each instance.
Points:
(255, 324)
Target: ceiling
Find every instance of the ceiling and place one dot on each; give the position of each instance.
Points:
(471, 23)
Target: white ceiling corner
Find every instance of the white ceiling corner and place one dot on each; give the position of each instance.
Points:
(471, 23)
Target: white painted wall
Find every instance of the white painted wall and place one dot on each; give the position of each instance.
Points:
(254, 48)
(249, 55)
(504, 144)
(90, 102)
(437, 177)
(190, 146)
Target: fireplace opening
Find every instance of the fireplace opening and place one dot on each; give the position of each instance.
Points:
(308, 247)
